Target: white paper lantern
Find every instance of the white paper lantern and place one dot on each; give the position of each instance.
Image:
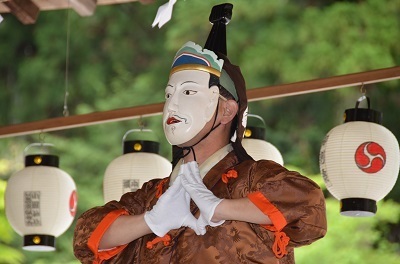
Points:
(260, 149)
(359, 161)
(255, 144)
(40, 201)
(139, 163)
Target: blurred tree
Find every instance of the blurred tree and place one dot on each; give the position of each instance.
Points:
(353, 240)
(117, 60)
(9, 255)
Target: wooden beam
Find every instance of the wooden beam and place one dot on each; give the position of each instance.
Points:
(355, 79)
(113, 2)
(61, 123)
(25, 10)
(22, 8)
(263, 93)
(4, 8)
(84, 7)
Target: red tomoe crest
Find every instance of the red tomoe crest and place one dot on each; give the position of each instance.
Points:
(370, 157)
(73, 202)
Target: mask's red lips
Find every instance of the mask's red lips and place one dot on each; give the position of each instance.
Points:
(172, 120)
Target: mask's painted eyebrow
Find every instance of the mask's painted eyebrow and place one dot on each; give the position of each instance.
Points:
(188, 82)
(170, 85)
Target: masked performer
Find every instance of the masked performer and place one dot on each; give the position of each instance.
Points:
(218, 205)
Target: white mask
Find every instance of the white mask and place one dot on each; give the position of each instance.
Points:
(189, 105)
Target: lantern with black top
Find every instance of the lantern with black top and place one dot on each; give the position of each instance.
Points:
(41, 199)
(359, 161)
(139, 163)
(254, 141)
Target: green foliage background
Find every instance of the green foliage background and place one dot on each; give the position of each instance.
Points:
(118, 60)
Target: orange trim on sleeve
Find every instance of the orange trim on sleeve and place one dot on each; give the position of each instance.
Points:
(280, 244)
(166, 239)
(262, 203)
(230, 174)
(94, 239)
(160, 188)
(278, 222)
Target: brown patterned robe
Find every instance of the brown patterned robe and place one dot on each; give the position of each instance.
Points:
(299, 199)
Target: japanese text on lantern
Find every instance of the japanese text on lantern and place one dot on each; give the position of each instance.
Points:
(32, 208)
(130, 185)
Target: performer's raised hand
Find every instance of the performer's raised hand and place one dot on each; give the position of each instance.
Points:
(171, 211)
(203, 197)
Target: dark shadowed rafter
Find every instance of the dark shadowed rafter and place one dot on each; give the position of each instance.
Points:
(27, 11)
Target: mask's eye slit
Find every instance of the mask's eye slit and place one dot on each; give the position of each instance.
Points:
(189, 92)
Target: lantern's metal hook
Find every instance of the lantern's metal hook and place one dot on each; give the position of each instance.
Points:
(140, 123)
(42, 136)
(66, 92)
(362, 98)
(362, 89)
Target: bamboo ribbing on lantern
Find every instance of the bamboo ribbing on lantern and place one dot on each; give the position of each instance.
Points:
(318, 85)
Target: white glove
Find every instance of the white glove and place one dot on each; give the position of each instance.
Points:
(205, 200)
(171, 211)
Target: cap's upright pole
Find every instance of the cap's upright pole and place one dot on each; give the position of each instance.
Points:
(219, 17)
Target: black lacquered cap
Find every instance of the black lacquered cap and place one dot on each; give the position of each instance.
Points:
(358, 207)
(363, 114)
(131, 146)
(220, 16)
(39, 240)
(41, 160)
(254, 132)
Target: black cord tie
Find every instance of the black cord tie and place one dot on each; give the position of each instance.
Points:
(190, 149)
